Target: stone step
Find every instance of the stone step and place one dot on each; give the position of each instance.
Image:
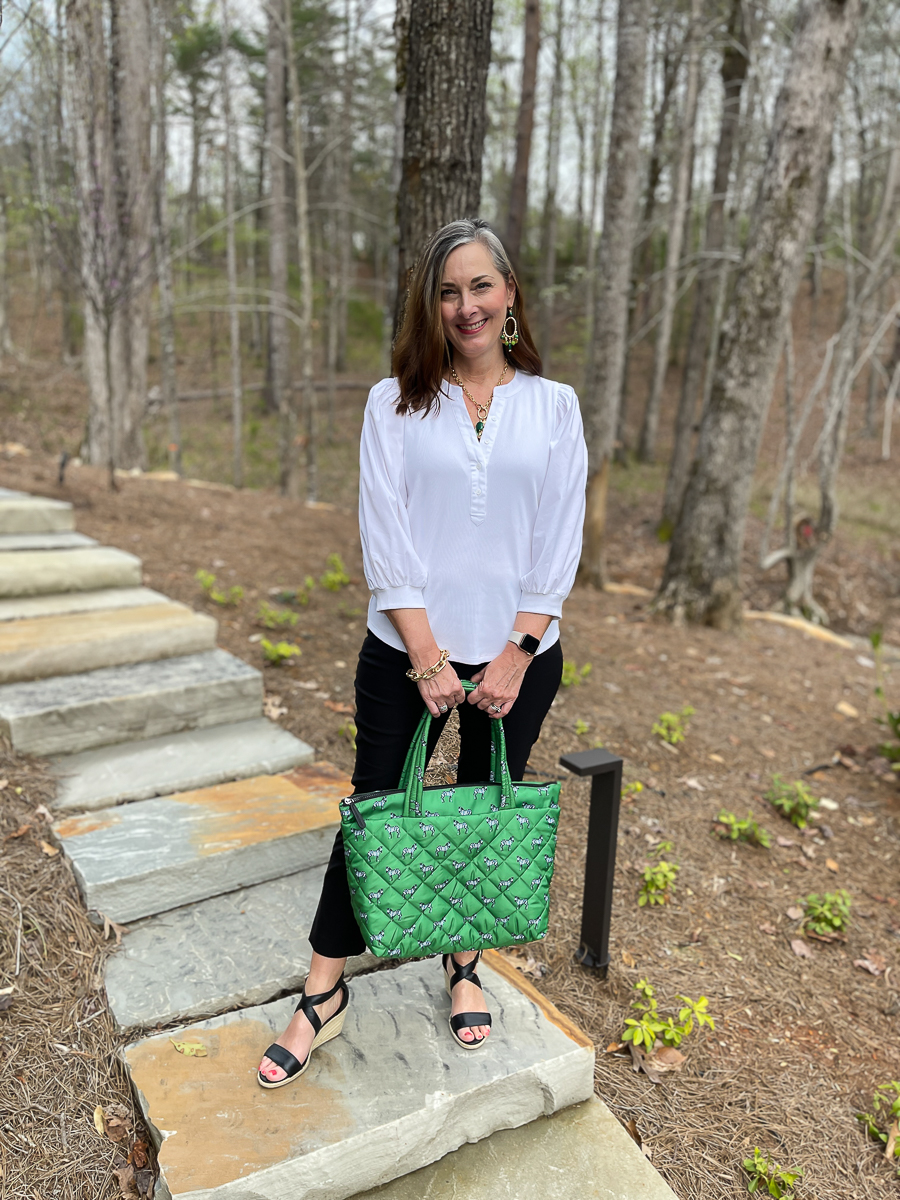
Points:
(581, 1153)
(227, 952)
(67, 540)
(145, 858)
(21, 513)
(118, 704)
(39, 647)
(176, 762)
(70, 602)
(39, 572)
(389, 1096)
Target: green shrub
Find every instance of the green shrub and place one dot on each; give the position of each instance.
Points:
(827, 914)
(233, 596)
(793, 800)
(336, 576)
(774, 1178)
(885, 1115)
(728, 826)
(658, 883)
(275, 618)
(672, 727)
(649, 1027)
(572, 674)
(279, 652)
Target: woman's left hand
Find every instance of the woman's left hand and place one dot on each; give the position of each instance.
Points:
(499, 682)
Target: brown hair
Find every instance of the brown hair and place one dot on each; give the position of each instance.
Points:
(421, 352)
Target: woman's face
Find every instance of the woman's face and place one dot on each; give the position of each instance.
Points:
(474, 300)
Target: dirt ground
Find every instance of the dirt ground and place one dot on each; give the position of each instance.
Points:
(799, 1044)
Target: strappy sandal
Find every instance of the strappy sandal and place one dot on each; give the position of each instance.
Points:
(467, 1020)
(324, 1032)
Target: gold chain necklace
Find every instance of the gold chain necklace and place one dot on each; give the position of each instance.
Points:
(481, 410)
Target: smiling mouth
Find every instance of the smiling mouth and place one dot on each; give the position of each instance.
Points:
(473, 327)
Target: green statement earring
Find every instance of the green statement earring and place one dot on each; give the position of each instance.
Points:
(509, 337)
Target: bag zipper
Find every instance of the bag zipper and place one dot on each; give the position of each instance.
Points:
(357, 815)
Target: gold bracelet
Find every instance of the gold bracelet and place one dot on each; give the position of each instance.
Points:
(429, 672)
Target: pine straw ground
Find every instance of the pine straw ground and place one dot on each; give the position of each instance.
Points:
(799, 1044)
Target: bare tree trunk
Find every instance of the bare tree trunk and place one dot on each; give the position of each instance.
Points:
(237, 394)
(606, 352)
(391, 309)
(6, 344)
(344, 165)
(518, 192)
(647, 446)
(304, 255)
(701, 579)
(598, 120)
(549, 222)
(443, 139)
(162, 246)
(254, 225)
(890, 403)
(277, 389)
(734, 71)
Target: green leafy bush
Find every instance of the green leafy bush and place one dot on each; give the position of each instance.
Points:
(770, 1175)
(885, 1115)
(336, 576)
(632, 789)
(581, 727)
(728, 826)
(297, 595)
(658, 883)
(572, 674)
(231, 597)
(671, 727)
(278, 652)
(827, 914)
(650, 1027)
(793, 800)
(348, 730)
(275, 618)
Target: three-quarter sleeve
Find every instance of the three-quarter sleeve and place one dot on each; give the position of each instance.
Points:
(556, 541)
(394, 572)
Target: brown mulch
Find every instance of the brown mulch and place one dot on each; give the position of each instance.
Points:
(800, 1043)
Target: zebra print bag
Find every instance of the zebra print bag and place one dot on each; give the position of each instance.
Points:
(442, 869)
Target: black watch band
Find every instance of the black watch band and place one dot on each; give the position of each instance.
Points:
(526, 642)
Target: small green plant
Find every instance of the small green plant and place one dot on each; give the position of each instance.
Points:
(658, 881)
(297, 595)
(275, 618)
(828, 914)
(650, 1027)
(581, 727)
(770, 1175)
(573, 675)
(278, 652)
(728, 826)
(886, 1112)
(632, 789)
(336, 576)
(351, 613)
(671, 727)
(793, 800)
(232, 596)
(348, 730)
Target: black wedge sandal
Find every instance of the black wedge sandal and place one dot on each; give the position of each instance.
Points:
(467, 1020)
(324, 1032)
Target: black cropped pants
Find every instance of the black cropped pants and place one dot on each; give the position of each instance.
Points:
(388, 709)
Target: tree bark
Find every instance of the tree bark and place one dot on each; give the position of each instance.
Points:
(606, 352)
(682, 181)
(735, 61)
(278, 394)
(6, 345)
(549, 221)
(518, 192)
(598, 121)
(445, 120)
(392, 294)
(234, 319)
(702, 575)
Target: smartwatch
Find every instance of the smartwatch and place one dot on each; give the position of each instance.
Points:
(526, 642)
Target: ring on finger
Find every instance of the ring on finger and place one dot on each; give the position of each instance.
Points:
(496, 707)
(442, 708)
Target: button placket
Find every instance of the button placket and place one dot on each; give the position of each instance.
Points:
(478, 453)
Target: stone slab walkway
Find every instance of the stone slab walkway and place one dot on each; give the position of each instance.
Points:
(94, 779)
(39, 647)
(390, 1095)
(16, 607)
(144, 858)
(44, 572)
(230, 951)
(65, 540)
(21, 513)
(581, 1153)
(116, 704)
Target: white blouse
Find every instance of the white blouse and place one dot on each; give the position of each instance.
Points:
(473, 532)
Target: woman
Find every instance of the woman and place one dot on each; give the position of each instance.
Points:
(471, 502)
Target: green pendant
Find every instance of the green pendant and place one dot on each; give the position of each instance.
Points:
(479, 428)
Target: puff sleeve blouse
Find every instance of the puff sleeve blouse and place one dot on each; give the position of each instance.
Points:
(473, 532)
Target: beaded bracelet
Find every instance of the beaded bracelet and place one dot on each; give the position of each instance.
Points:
(429, 672)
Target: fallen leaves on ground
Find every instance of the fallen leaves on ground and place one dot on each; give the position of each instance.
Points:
(273, 708)
(832, 865)
(893, 1135)
(628, 959)
(110, 926)
(50, 851)
(660, 1059)
(114, 1121)
(347, 709)
(800, 948)
(874, 963)
(785, 841)
(795, 912)
(766, 927)
(17, 833)
(190, 1049)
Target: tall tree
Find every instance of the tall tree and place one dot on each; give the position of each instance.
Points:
(701, 579)
(735, 60)
(680, 188)
(6, 344)
(237, 394)
(518, 192)
(549, 221)
(606, 351)
(278, 356)
(445, 119)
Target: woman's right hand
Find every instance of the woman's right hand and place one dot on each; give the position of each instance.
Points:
(441, 689)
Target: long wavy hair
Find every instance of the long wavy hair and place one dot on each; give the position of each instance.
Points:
(421, 352)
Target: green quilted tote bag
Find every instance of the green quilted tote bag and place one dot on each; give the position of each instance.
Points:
(441, 869)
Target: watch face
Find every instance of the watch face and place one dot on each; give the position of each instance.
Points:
(530, 644)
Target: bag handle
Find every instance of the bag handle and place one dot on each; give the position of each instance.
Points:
(411, 781)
